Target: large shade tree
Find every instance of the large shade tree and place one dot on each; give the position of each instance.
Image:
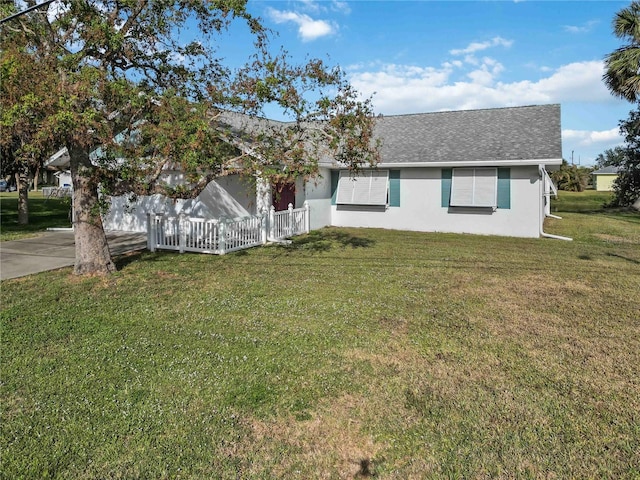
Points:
(134, 87)
(24, 143)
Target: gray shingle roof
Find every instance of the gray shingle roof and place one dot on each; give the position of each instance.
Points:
(611, 170)
(503, 134)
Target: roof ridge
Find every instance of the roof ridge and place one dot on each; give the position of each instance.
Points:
(382, 115)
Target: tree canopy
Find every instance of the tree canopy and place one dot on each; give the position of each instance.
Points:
(570, 177)
(611, 157)
(133, 87)
(622, 67)
(622, 77)
(627, 185)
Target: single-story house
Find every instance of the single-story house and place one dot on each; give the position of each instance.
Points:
(472, 171)
(59, 165)
(604, 177)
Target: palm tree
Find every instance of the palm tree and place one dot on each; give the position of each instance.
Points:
(622, 75)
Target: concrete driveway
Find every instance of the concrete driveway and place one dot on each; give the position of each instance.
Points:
(56, 249)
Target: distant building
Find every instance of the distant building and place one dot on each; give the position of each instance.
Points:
(603, 179)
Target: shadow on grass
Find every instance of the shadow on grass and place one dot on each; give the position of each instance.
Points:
(626, 215)
(632, 260)
(324, 240)
(126, 259)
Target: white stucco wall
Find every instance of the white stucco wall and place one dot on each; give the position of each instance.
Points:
(317, 192)
(64, 179)
(229, 196)
(420, 208)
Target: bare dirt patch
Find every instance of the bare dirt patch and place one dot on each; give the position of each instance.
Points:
(332, 444)
(616, 239)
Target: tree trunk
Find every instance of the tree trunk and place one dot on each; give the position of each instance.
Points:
(22, 184)
(92, 251)
(36, 178)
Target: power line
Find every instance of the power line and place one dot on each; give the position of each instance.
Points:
(30, 9)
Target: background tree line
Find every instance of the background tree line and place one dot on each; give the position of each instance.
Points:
(622, 77)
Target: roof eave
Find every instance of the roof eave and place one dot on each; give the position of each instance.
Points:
(461, 163)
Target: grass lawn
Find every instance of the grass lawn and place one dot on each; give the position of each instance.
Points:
(589, 201)
(43, 213)
(350, 353)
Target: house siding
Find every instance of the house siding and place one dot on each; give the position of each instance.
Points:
(604, 182)
(229, 196)
(318, 195)
(417, 202)
(422, 195)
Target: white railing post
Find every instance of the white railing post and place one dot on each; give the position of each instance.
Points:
(272, 222)
(290, 224)
(263, 228)
(151, 232)
(307, 217)
(222, 235)
(182, 232)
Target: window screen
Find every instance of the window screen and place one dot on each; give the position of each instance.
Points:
(365, 188)
(474, 187)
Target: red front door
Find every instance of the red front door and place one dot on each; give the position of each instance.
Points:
(283, 194)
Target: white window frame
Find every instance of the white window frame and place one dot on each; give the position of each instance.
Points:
(368, 187)
(474, 187)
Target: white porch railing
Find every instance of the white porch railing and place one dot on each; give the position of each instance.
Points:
(187, 234)
(288, 223)
(56, 192)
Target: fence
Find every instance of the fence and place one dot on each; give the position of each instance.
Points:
(56, 192)
(187, 234)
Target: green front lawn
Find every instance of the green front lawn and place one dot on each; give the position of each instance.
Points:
(43, 213)
(588, 201)
(350, 352)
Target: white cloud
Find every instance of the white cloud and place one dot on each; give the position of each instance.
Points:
(479, 46)
(310, 5)
(458, 85)
(453, 63)
(581, 28)
(411, 89)
(308, 28)
(586, 138)
(342, 7)
(588, 143)
(323, 6)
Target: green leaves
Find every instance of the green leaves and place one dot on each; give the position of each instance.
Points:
(570, 177)
(137, 106)
(622, 66)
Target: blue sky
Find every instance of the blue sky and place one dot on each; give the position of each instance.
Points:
(425, 56)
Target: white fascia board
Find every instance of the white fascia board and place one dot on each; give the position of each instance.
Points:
(474, 163)
(58, 159)
(453, 164)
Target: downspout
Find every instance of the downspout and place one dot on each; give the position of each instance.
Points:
(546, 194)
(550, 235)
